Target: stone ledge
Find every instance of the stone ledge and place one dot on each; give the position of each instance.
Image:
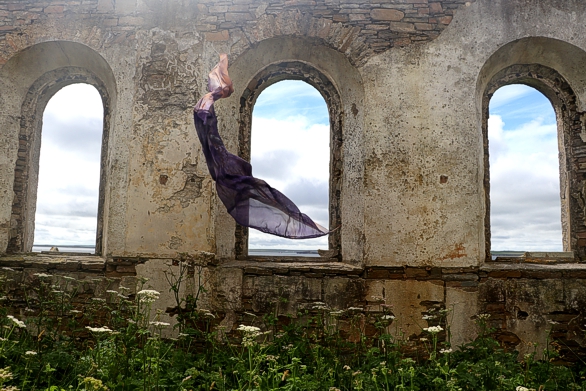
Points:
(310, 267)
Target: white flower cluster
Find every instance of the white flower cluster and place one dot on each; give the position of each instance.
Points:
(444, 351)
(521, 388)
(433, 329)
(147, 295)
(250, 334)
(248, 329)
(18, 323)
(484, 317)
(207, 313)
(428, 317)
(42, 275)
(387, 317)
(30, 353)
(159, 324)
(103, 329)
(5, 374)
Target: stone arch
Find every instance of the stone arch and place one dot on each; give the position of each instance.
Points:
(33, 76)
(296, 70)
(339, 82)
(551, 67)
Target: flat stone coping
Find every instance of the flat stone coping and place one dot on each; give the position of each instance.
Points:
(282, 267)
(545, 267)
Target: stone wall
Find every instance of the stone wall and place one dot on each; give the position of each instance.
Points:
(407, 83)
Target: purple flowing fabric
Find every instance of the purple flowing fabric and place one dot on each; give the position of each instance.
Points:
(250, 201)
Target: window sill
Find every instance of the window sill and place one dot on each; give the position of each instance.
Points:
(310, 267)
(537, 257)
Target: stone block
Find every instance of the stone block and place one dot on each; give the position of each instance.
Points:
(223, 35)
(409, 299)
(387, 14)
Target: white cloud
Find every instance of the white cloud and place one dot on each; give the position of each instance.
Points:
(506, 95)
(69, 168)
(524, 186)
(293, 151)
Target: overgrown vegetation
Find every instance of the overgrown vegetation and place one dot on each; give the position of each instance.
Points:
(117, 343)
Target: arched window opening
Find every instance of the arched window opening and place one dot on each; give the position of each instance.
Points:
(290, 149)
(69, 171)
(525, 201)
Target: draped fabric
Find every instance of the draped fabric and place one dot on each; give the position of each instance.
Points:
(249, 200)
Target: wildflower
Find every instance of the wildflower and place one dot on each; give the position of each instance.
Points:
(319, 306)
(387, 317)
(483, 316)
(8, 268)
(445, 351)
(428, 317)
(383, 363)
(334, 389)
(423, 339)
(103, 329)
(30, 353)
(3, 298)
(2, 339)
(354, 309)
(29, 310)
(18, 323)
(552, 322)
(521, 388)
(42, 275)
(57, 291)
(160, 324)
(183, 335)
(346, 367)
(248, 329)
(433, 329)
(75, 311)
(337, 313)
(147, 295)
(10, 388)
(356, 373)
(112, 292)
(5, 374)
(270, 357)
(69, 278)
(250, 314)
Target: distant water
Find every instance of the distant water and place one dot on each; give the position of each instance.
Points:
(37, 248)
(281, 253)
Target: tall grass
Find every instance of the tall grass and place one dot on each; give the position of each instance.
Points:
(116, 343)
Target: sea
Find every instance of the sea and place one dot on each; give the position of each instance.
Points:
(89, 249)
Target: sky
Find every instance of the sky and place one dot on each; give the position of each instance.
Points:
(524, 171)
(69, 167)
(290, 150)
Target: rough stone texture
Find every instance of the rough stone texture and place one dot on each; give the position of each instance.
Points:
(407, 84)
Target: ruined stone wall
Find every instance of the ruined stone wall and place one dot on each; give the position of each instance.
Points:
(407, 83)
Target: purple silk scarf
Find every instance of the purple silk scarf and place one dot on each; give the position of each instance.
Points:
(250, 201)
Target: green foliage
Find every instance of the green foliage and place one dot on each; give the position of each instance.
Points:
(117, 344)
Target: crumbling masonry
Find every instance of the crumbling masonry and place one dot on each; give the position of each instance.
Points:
(407, 83)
